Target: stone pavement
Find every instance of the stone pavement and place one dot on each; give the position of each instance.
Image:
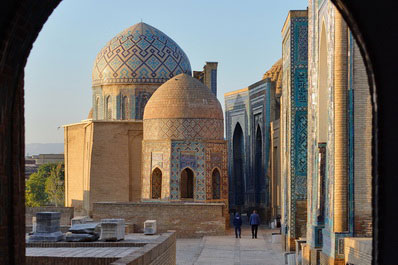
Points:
(220, 250)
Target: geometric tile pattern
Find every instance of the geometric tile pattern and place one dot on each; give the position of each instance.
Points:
(139, 54)
(216, 158)
(183, 129)
(155, 155)
(195, 152)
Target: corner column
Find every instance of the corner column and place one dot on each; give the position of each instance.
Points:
(340, 125)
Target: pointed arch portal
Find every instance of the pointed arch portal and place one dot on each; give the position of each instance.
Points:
(187, 184)
(238, 181)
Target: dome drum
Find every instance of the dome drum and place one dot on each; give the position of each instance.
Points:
(183, 108)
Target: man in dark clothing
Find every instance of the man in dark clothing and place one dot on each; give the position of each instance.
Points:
(237, 224)
(254, 222)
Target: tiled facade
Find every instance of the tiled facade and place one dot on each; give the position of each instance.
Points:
(187, 134)
(339, 165)
(249, 113)
(294, 126)
(130, 67)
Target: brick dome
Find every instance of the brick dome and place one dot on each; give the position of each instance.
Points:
(183, 97)
(183, 108)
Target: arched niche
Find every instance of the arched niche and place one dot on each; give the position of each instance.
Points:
(216, 184)
(187, 184)
(156, 184)
(238, 151)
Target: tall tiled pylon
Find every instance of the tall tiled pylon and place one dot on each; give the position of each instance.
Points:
(340, 127)
(294, 127)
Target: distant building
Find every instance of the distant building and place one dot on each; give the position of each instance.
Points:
(33, 162)
(208, 76)
(249, 113)
(155, 134)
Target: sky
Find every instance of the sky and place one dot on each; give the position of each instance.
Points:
(244, 37)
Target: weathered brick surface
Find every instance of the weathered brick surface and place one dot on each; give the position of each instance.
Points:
(362, 149)
(188, 219)
(102, 163)
(161, 251)
(358, 251)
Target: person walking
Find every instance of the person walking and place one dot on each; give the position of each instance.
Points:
(237, 224)
(254, 222)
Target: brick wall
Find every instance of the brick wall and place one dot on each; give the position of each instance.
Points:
(358, 251)
(362, 149)
(102, 162)
(188, 219)
(161, 251)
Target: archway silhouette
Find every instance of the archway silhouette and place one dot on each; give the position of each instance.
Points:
(238, 178)
(156, 184)
(24, 20)
(216, 184)
(258, 165)
(187, 184)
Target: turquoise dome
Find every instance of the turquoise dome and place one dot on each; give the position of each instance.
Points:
(139, 54)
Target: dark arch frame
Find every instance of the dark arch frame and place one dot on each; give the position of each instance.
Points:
(238, 148)
(189, 188)
(259, 173)
(214, 183)
(21, 22)
(158, 189)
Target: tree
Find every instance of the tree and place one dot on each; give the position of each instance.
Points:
(44, 187)
(55, 185)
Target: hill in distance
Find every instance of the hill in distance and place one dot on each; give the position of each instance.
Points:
(47, 148)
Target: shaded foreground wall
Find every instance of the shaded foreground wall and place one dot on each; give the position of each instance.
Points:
(159, 251)
(188, 219)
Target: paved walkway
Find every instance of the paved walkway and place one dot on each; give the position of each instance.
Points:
(220, 250)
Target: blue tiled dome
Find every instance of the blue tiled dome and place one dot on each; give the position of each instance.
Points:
(139, 54)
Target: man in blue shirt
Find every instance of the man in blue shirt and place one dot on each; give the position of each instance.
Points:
(254, 222)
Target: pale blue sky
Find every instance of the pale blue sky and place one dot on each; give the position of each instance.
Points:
(243, 36)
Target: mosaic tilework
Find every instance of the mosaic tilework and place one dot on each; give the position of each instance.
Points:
(298, 110)
(155, 155)
(184, 147)
(139, 54)
(141, 98)
(183, 129)
(216, 157)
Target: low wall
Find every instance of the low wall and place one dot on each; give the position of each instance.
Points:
(187, 219)
(161, 251)
(66, 214)
(358, 251)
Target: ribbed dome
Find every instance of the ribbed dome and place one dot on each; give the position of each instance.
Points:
(139, 54)
(183, 97)
(275, 74)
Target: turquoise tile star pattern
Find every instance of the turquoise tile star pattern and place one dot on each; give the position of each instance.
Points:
(139, 54)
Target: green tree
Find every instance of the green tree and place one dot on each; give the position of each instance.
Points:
(55, 184)
(37, 193)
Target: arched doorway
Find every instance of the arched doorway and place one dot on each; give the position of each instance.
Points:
(187, 184)
(258, 165)
(238, 179)
(216, 184)
(156, 183)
